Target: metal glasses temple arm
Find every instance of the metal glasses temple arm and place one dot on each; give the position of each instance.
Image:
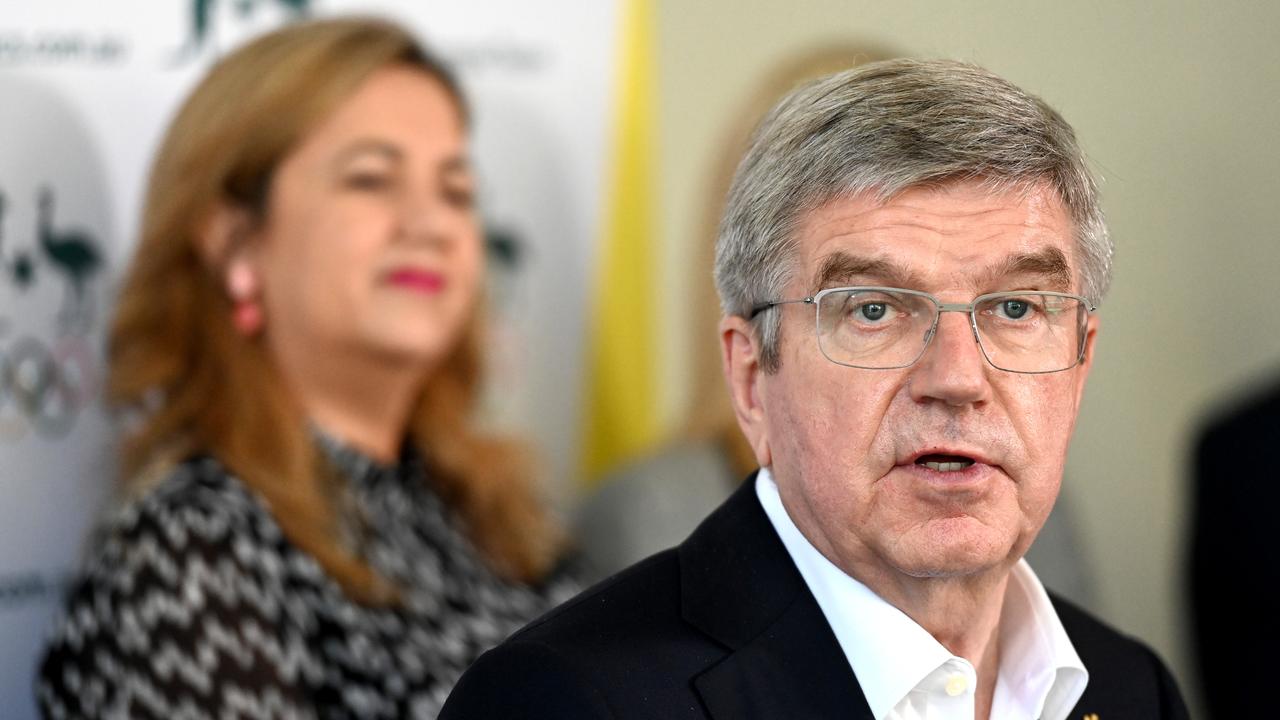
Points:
(772, 303)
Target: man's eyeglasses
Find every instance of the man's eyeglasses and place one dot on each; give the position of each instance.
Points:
(881, 328)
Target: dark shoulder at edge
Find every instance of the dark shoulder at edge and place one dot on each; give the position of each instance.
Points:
(1101, 646)
(1249, 413)
(629, 602)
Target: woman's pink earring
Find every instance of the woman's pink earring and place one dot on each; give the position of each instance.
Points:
(242, 286)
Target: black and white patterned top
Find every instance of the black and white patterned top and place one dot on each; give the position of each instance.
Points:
(194, 605)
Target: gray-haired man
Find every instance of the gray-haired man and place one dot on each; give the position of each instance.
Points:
(909, 263)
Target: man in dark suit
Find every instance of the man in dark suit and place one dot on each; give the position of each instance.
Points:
(909, 264)
(1233, 537)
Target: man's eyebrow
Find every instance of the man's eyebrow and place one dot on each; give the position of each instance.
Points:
(1049, 265)
(839, 268)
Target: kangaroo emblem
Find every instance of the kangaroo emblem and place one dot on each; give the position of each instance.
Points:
(20, 269)
(74, 254)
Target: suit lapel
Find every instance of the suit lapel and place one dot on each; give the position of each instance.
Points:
(740, 587)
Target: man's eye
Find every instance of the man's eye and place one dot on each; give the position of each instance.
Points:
(872, 311)
(1015, 309)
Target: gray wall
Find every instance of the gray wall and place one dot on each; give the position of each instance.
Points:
(1178, 109)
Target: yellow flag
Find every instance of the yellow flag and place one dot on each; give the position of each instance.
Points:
(621, 407)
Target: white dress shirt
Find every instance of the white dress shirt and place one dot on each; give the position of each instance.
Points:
(906, 674)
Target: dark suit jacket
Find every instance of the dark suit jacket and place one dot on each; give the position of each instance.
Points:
(1233, 559)
(723, 626)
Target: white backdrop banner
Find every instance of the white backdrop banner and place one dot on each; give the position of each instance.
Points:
(88, 87)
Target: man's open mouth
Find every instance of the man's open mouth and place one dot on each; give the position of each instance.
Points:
(944, 463)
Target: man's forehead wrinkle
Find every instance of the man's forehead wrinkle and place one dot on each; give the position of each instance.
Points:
(943, 224)
(1001, 231)
(858, 214)
(837, 220)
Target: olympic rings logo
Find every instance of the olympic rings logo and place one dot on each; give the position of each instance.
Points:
(43, 387)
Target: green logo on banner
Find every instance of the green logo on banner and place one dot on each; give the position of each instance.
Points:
(46, 383)
(201, 28)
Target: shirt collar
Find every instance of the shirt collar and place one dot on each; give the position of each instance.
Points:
(1041, 674)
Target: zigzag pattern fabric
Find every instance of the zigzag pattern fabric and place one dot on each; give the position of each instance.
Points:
(194, 605)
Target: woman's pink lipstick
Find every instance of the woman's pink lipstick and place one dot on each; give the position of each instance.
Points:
(425, 281)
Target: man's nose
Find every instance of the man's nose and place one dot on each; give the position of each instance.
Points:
(952, 369)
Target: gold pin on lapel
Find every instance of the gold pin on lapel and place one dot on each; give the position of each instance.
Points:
(1091, 716)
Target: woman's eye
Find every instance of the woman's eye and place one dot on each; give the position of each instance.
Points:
(367, 181)
(460, 197)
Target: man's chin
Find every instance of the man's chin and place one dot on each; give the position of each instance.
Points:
(955, 547)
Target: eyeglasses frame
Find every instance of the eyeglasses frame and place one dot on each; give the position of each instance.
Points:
(969, 308)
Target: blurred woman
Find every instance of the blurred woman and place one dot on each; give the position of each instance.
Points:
(312, 527)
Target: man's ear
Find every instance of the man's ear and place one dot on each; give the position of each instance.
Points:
(740, 356)
(1086, 363)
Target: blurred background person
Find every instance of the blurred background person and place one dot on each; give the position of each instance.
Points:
(312, 526)
(654, 503)
(1234, 496)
